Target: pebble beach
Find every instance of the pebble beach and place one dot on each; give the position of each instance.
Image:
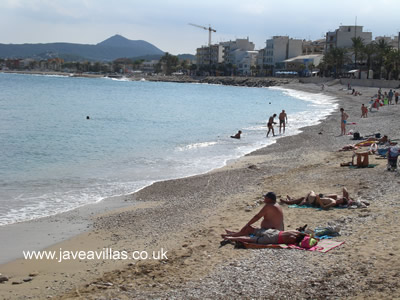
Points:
(186, 217)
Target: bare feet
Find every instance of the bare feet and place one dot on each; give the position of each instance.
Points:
(287, 199)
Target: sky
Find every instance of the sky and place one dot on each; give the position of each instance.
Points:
(165, 23)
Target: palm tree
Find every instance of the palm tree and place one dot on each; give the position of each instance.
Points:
(170, 62)
(369, 50)
(392, 61)
(335, 59)
(357, 48)
(341, 58)
(253, 70)
(382, 51)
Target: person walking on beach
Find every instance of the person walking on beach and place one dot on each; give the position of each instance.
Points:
(364, 111)
(396, 96)
(282, 121)
(343, 121)
(390, 96)
(272, 218)
(270, 125)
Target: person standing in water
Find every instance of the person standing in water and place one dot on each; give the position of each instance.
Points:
(270, 124)
(343, 121)
(282, 121)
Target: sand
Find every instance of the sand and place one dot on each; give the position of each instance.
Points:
(185, 217)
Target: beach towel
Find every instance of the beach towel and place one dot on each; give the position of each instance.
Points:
(323, 246)
(369, 166)
(310, 206)
(365, 144)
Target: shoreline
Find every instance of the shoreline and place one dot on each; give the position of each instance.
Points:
(220, 164)
(221, 80)
(220, 196)
(31, 229)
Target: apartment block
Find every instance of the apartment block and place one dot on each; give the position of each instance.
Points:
(209, 55)
(314, 47)
(278, 49)
(341, 38)
(392, 41)
(231, 49)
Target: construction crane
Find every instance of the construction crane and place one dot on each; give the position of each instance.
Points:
(209, 31)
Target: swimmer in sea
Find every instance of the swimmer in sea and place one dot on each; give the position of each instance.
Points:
(237, 135)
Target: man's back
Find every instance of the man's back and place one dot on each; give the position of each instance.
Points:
(273, 217)
(271, 120)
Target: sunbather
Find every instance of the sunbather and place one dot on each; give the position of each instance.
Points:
(325, 201)
(313, 199)
(309, 199)
(270, 236)
(335, 200)
(348, 148)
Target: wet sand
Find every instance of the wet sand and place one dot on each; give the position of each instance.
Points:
(186, 217)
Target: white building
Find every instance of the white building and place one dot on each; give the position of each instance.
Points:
(148, 66)
(209, 55)
(278, 49)
(341, 38)
(244, 60)
(314, 47)
(231, 49)
(392, 41)
(304, 63)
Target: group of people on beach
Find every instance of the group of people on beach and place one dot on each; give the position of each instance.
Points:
(272, 229)
(282, 123)
(283, 120)
(385, 98)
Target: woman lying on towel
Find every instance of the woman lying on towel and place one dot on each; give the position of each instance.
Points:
(269, 236)
(324, 201)
(309, 199)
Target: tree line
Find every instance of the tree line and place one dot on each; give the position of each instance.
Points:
(378, 56)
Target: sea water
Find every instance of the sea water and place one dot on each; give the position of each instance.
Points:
(54, 159)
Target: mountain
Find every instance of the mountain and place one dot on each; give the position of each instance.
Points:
(187, 56)
(112, 48)
(190, 57)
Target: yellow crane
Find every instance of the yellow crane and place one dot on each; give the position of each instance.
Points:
(209, 31)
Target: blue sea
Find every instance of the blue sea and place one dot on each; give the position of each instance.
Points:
(53, 159)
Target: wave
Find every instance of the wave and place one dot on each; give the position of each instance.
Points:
(315, 98)
(118, 79)
(196, 146)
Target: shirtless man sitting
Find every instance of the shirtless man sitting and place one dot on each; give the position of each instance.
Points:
(270, 236)
(272, 218)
